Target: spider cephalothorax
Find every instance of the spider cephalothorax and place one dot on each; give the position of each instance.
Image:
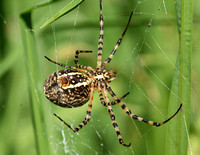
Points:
(75, 86)
(70, 88)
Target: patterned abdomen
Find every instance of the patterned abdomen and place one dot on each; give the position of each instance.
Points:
(67, 88)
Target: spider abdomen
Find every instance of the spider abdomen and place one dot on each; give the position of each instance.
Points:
(67, 88)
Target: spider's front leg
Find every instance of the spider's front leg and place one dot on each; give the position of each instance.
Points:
(88, 113)
(113, 102)
(125, 108)
(112, 116)
(119, 100)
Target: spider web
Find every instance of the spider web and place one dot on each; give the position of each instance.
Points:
(137, 71)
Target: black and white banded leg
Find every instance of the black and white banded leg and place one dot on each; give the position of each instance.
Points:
(87, 117)
(79, 65)
(125, 108)
(117, 44)
(112, 116)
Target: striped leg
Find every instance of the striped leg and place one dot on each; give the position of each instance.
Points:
(112, 116)
(100, 44)
(67, 66)
(101, 96)
(88, 114)
(112, 75)
(79, 65)
(113, 102)
(117, 44)
(125, 108)
(119, 100)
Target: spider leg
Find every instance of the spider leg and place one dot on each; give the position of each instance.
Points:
(118, 101)
(112, 75)
(100, 44)
(125, 108)
(113, 102)
(112, 116)
(67, 66)
(101, 97)
(117, 44)
(79, 65)
(88, 114)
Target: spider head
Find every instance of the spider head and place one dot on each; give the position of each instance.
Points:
(110, 75)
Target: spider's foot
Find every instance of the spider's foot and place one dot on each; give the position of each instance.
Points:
(122, 143)
(65, 123)
(124, 95)
(47, 58)
(159, 124)
(127, 145)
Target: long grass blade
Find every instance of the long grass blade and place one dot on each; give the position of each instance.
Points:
(178, 135)
(33, 78)
(67, 8)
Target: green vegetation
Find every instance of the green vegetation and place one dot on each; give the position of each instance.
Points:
(157, 63)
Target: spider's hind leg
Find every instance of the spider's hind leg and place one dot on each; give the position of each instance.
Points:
(57, 63)
(67, 66)
(87, 117)
(79, 65)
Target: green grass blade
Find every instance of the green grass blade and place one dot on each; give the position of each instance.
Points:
(8, 62)
(40, 125)
(185, 74)
(67, 8)
(177, 135)
(33, 80)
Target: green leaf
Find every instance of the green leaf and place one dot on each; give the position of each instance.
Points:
(67, 8)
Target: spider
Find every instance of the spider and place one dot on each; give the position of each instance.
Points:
(73, 87)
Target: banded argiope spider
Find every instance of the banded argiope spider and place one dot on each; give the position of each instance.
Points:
(75, 86)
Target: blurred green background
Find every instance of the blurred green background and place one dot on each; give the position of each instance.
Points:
(145, 64)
